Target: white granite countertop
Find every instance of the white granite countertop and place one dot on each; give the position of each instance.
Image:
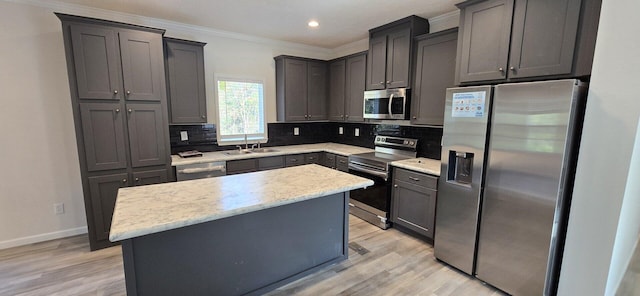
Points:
(155, 208)
(340, 149)
(420, 164)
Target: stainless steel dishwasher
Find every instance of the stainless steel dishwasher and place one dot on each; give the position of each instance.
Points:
(200, 170)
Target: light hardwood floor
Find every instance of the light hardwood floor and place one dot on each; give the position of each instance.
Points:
(388, 263)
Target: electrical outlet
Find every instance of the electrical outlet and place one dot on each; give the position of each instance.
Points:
(58, 208)
(340, 130)
(296, 131)
(357, 132)
(184, 136)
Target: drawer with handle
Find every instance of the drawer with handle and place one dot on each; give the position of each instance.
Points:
(419, 179)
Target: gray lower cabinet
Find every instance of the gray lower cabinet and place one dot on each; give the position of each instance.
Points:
(301, 89)
(294, 160)
(329, 160)
(435, 72)
(342, 163)
(184, 62)
(413, 201)
(241, 166)
(270, 163)
(519, 39)
(118, 97)
(104, 190)
(150, 177)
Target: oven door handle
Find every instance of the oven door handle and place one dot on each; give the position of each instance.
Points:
(390, 103)
(361, 168)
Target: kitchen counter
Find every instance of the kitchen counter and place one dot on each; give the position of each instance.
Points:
(420, 164)
(340, 149)
(153, 208)
(233, 235)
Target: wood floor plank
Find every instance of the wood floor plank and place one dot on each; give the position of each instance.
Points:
(393, 263)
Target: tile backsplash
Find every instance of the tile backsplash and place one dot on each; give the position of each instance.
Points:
(203, 137)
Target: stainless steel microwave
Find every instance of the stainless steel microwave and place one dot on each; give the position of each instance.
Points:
(387, 104)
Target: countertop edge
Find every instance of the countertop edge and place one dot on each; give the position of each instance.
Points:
(119, 236)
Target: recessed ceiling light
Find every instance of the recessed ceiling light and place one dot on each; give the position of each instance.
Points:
(313, 24)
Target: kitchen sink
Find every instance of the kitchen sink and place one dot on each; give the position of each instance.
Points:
(264, 150)
(237, 152)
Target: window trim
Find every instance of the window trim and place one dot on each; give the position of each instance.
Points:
(251, 138)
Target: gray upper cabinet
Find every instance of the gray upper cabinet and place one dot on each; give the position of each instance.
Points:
(435, 72)
(398, 58)
(317, 90)
(97, 62)
(377, 62)
(525, 39)
(142, 65)
(389, 62)
(347, 80)
(103, 136)
(184, 62)
(118, 97)
(146, 135)
(301, 89)
(543, 37)
(337, 90)
(355, 86)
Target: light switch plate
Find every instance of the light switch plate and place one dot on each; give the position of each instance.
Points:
(340, 130)
(184, 136)
(357, 132)
(296, 131)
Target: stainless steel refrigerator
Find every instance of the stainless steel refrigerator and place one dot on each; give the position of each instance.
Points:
(508, 163)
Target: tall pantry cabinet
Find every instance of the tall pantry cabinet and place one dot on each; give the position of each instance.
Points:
(118, 94)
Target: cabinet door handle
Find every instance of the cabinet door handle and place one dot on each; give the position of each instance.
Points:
(137, 179)
(382, 82)
(347, 116)
(415, 117)
(342, 161)
(294, 160)
(128, 92)
(395, 186)
(512, 69)
(130, 110)
(309, 116)
(124, 180)
(388, 81)
(117, 110)
(414, 178)
(115, 91)
(202, 116)
(501, 69)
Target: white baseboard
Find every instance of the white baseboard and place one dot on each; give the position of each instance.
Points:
(41, 237)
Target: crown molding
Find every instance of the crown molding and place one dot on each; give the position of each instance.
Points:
(444, 21)
(172, 27)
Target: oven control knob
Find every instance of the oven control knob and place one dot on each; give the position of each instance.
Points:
(412, 143)
(406, 142)
(378, 139)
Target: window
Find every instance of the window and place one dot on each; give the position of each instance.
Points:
(240, 110)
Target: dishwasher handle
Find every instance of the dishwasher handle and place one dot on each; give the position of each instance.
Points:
(220, 168)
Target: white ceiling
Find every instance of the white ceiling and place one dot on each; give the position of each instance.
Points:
(341, 21)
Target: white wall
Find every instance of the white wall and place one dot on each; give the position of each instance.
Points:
(610, 125)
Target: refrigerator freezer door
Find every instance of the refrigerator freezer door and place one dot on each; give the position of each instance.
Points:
(459, 187)
(530, 148)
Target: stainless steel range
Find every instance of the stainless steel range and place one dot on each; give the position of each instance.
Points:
(373, 203)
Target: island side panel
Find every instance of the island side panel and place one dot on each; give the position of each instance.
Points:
(246, 254)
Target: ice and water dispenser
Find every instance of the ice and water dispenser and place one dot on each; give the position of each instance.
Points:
(460, 167)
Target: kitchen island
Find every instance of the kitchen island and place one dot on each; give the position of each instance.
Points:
(232, 235)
